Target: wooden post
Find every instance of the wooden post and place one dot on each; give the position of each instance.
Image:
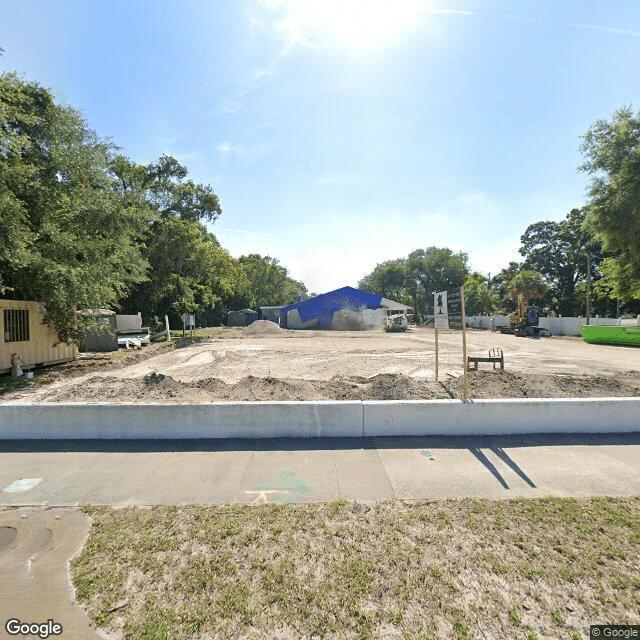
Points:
(465, 395)
(166, 322)
(436, 354)
(588, 287)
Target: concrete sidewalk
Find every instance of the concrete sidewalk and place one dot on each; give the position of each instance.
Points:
(35, 586)
(36, 543)
(141, 472)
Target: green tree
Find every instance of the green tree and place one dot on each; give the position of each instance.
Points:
(531, 283)
(558, 250)
(500, 285)
(478, 296)
(162, 188)
(190, 273)
(66, 238)
(434, 269)
(414, 279)
(388, 279)
(612, 152)
(269, 282)
(617, 284)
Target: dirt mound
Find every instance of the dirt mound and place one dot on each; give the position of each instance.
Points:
(252, 388)
(157, 387)
(385, 386)
(263, 328)
(381, 387)
(152, 388)
(493, 384)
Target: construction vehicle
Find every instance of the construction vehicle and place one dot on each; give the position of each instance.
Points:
(524, 322)
(396, 322)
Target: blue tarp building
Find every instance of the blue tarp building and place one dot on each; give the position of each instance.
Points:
(318, 312)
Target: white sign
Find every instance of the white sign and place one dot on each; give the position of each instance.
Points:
(441, 314)
(188, 320)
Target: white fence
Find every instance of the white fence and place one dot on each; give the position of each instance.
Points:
(569, 326)
(484, 322)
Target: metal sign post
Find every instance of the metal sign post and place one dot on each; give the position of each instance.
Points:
(441, 318)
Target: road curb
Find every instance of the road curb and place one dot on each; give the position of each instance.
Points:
(350, 419)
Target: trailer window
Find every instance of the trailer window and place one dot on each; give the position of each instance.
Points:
(16, 325)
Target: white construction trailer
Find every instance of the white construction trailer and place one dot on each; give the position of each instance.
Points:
(24, 333)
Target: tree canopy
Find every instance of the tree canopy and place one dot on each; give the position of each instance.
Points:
(388, 279)
(83, 227)
(269, 283)
(414, 279)
(612, 158)
(560, 252)
(479, 298)
(189, 272)
(530, 283)
(66, 238)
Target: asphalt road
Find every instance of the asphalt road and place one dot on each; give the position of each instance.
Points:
(139, 472)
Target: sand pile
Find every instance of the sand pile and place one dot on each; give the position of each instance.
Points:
(263, 328)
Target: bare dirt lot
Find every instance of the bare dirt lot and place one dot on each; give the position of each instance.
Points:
(264, 362)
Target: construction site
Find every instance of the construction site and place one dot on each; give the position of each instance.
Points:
(264, 362)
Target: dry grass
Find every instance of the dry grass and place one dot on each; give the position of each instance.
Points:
(526, 569)
(204, 333)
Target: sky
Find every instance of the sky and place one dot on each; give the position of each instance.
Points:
(339, 134)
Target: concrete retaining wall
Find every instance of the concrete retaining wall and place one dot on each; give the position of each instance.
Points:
(319, 419)
(494, 417)
(224, 420)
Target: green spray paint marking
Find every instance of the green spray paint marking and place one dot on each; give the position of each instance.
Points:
(287, 481)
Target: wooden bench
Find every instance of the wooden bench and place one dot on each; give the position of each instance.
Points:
(495, 356)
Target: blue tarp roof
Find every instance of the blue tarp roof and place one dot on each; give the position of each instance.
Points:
(323, 306)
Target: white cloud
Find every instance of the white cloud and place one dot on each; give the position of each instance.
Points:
(612, 30)
(243, 152)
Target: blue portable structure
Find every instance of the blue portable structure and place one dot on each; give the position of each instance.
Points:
(318, 312)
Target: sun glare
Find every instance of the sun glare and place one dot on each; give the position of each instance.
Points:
(370, 22)
(350, 23)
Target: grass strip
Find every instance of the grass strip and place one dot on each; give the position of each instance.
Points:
(455, 569)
